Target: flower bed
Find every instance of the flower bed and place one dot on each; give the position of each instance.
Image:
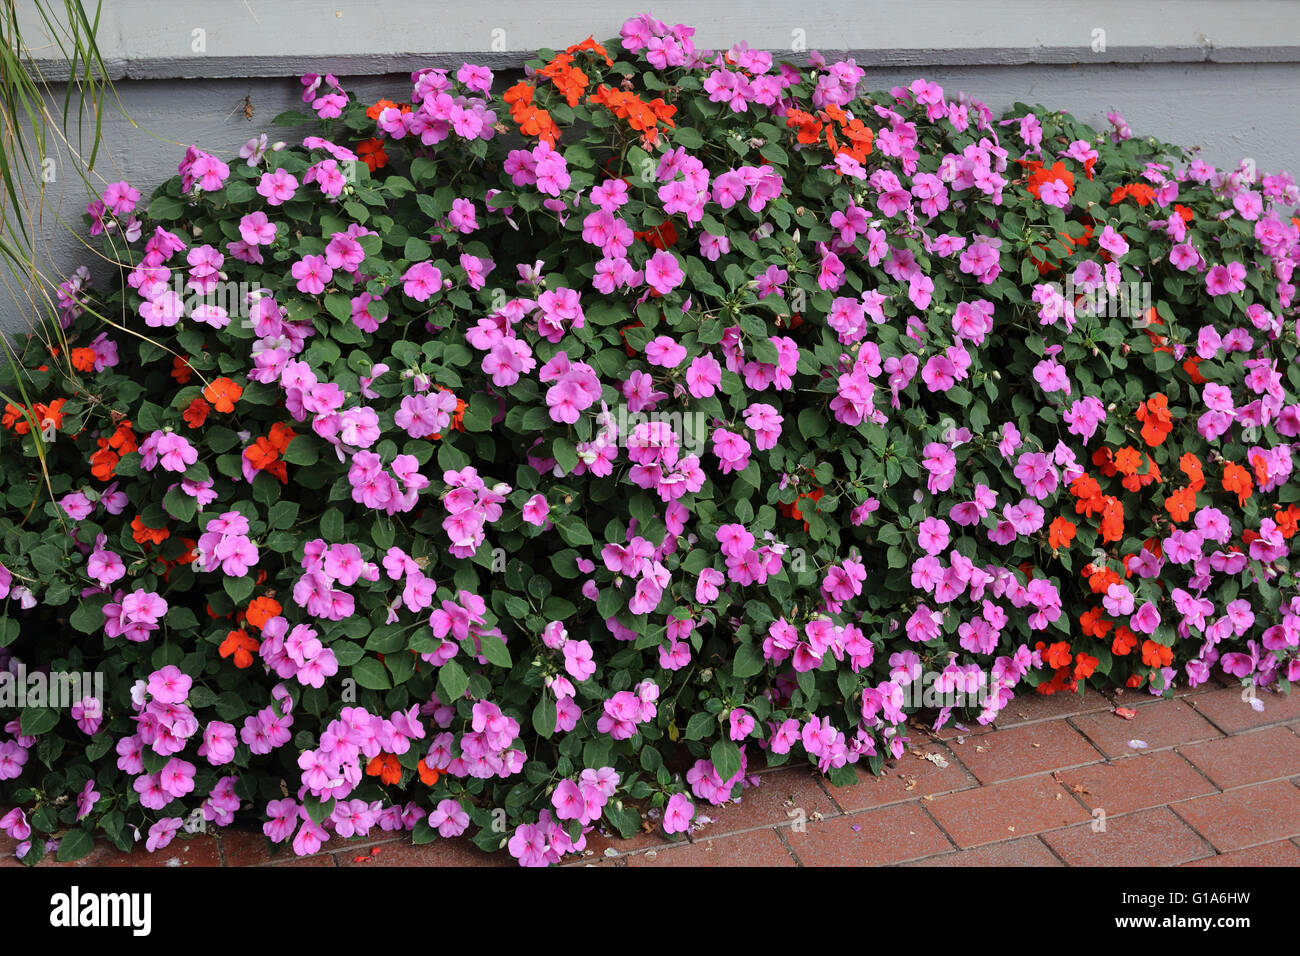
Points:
(457, 467)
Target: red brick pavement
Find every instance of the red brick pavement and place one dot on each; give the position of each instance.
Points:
(1057, 781)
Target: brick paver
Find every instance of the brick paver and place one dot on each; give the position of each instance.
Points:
(1002, 811)
(893, 834)
(1158, 724)
(1136, 782)
(755, 848)
(1147, 838)
(1245, 817)
(1268, 754)
(1218, 784)
(1230, 713)
(926, 770)
(1027, 851)
(1031, 749)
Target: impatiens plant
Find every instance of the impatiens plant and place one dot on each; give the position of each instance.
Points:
(516, 459)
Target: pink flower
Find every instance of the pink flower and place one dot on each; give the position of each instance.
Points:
(421, 281)
(1146, 620)
(663, 273)
(933, 535)
(1113, 242)
(664, 351)
(535, 510)
(703, 376)
(169, 685)
(578, 660)
(313, 274)
(278, 187)
(740, 724)
(678, 814)
(1225, 280)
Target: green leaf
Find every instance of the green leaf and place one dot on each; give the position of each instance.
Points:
(726, 759)
(331, 525)
(370, 673)
(316, 809)
(74, 845)
(282, 514)
(88, 617)
(701, 724)
(544, 716)
(749, 661)
(496, 651)
(452, 682)
(239, 589)
(37, 720)
(302, 450)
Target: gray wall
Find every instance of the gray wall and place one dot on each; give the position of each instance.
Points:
(1220, 74)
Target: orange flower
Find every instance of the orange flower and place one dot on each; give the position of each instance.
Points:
(242, 646)
(1104, 459)
(223, 393)
(591, 45)
(280, 437)
(1112, 519)
(1156, 655)
(1093, 624)
(123, 440)
(566, 78)
(1193, 370)
(261, 610)
(83, 360)
(661, 236)
(1128, 460)
(143, 533)
(428, 776)
(808, 129)
(1101, 579)
(261, 454)
(45, 415)
(1125, 640)
(196, 413)
(1084, 665)
(1181, 504)
(380, 105)
(182, 371)
(639, 114)
(1138, 481)
(103, 463)
(1191, 467)
(1060, 533)
(1261, 469)
(1154, 413)
(1041, 175)
(371, 152)
(1287, 519)
(1086, 489)
(1058, 655)
(15, 418)
(386, 767)
(1237, 480)
(532, 120)
(1141, 193)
